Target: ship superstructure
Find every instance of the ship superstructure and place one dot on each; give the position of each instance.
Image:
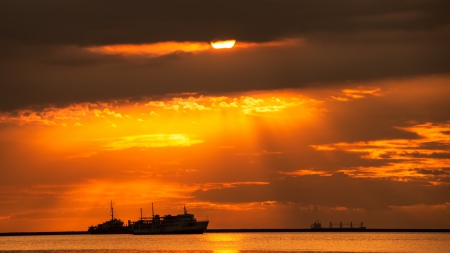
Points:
(184, 223)
(113, 226)
(318, 225)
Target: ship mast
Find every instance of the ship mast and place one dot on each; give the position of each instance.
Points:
(153, 217)
(112, 211)
(153, 213)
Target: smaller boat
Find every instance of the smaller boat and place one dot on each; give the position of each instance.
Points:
(113, 226)
(318, 225)
(184, 223)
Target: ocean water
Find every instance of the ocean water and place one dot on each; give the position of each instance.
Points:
(231, 243)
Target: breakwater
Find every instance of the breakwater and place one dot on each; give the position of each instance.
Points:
(266, 230)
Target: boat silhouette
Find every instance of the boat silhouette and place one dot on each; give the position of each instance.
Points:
(318, 225)
(184, 223)
(113, 226)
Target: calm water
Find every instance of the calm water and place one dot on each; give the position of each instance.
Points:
(231, 243)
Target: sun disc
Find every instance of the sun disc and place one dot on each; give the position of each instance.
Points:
(220, 44)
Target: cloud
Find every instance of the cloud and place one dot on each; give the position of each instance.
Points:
(171, 47)
(302, 44)
(333, 191)
(149, 141)
(72, 113)
(155, 49)
(116, 110)
(437, 172)
(361, 93)
(156, 21)
(398, 154)
(65, 75)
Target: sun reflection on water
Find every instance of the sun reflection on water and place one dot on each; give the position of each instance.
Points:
(226, 251)
(227, 243)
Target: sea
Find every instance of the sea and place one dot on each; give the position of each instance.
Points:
(231, 242)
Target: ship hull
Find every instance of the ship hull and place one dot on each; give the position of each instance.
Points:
(337, 229)
(178, 232)
(199, 228)
(100, 232)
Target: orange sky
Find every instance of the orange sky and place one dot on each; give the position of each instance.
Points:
(66, 164)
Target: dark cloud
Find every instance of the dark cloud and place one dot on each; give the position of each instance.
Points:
(431, 172)
(329, 161)
(336, 190)
(438, 155)
(377, 117)
(43, 61)
(431, 145)
(65, 75)
(110, 22)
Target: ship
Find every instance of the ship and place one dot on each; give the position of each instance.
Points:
(113, 226)
(184, 223)
(332, 226)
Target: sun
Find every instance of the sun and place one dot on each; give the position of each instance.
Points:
(220, 44)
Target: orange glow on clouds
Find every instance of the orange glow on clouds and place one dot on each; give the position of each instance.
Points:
(155, 49)
(361, 92)
(305, 172)
(413, 153)
(98, 129)
(150, 141)
(164, 48)
(114, 112)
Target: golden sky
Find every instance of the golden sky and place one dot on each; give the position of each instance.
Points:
(288, 126)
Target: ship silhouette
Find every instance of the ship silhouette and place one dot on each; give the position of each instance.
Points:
(113, 226)
(318, 225)
(184, 223)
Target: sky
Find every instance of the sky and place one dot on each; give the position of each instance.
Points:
(336, 111)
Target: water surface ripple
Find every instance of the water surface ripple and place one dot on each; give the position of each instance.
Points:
(231, 243)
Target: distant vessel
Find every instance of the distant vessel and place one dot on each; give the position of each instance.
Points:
(113, 226)
(180, 224)
(318, 225)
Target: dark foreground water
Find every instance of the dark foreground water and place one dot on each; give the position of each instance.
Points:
(231, 243)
